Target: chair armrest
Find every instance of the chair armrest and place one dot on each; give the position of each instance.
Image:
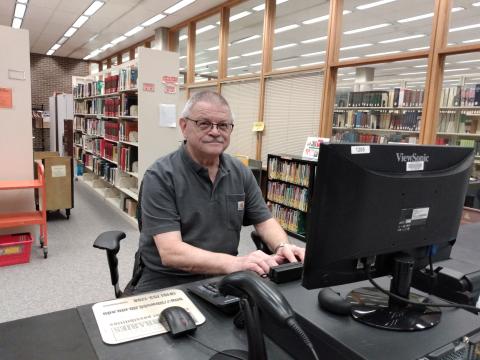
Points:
(109, 240)
(260, 245)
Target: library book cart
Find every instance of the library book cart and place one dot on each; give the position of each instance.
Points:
(39, 217)
(290, 181)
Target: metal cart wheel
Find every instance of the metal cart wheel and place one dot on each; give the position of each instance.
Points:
(45, 252)
(67, 211)
(41, 241)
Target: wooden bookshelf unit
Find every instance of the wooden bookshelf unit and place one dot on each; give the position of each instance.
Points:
(290, 181)
(15, 219)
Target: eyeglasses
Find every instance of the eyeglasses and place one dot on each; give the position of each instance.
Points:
(205, 125)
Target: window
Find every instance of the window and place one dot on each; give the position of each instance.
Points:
(300, 34)
(464, 23)
(182, 53)
(245, 39)
(206, 49)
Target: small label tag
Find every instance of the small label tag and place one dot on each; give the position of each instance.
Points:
(420, 213)
(241, 205)
(415, 166)
(361, 149)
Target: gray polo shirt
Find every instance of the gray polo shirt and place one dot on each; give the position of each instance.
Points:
(178, 195)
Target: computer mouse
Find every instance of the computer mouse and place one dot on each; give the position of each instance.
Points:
(177, 320)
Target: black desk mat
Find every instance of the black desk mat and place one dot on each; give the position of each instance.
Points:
(58, 335)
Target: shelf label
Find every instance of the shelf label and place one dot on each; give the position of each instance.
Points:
(149, 87)
(364, 149)
(412, 218)
(415, 165)
(59, 171)
(5, 98)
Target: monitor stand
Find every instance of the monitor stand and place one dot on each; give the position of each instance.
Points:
(372, 307)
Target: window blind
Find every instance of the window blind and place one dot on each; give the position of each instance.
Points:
(292, 113)
(243, 98)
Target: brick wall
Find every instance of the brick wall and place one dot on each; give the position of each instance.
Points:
(53, 74)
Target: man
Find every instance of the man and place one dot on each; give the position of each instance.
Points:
(194, 202)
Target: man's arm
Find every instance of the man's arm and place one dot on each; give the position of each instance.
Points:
(177, 254)
(277, 240)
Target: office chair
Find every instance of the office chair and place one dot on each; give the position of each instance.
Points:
(110, 241)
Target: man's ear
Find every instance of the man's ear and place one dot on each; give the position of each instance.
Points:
(183, 124)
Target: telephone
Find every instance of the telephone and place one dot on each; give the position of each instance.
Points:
(256, 293)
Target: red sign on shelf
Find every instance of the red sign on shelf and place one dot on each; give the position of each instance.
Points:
(170, 84)
(149, 87)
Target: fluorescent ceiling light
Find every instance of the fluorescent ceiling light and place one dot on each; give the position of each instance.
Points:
(286, 28)
(322, 18)
(287, 67)
(26, 1)
(106, 46)
(233, 58)
(373, 27)
(20, 10)
(313, 54)
(118, 40)
(419, 48)
(262, 6)
(153, 20)
(280, 47)
(413, 73)
(50, 52)
(89, 56)
(390, 69)
(256, 64)
(92, 9)
(55, 47)
(401, 39)
(253, 37)
(182, 37)
(178, 6)
(252, 53)
(213, 48)
(467, 61)
(309, 41)
(450, 70)
(373, 4)
(476, 4)
(95, 52)
(62, 40)
(16, 23)
(239, 15)
(473, 26)
(348, 79)
(426, 16)
(182, 57)
(349, 58)
(70, 32)
(134, 31)
(420, 66)
(313, 63)
(238, 67)
(206, 63)
(80, 21)
(205, 28)
(470, 41)
(355, 46)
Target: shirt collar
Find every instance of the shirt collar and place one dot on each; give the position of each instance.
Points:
(223, 168)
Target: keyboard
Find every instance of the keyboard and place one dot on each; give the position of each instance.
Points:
(208, 291)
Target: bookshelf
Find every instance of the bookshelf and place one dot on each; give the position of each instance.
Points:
(117, 132)
(290, 182)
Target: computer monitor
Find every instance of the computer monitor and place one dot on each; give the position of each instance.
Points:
(383, 209)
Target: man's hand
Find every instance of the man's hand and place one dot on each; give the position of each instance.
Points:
(256, 261)
(290, 253)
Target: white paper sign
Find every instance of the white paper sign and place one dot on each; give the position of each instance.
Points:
(168, 115)
(363, 149)
(59, 171)
(312, 147)
(136, 317)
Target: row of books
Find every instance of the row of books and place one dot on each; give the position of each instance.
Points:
(112, 107)
(289, 195)
(462, 123)
(475, 144)
(108, 150)
(130, 105)
(128, 160)
(128, 78)
(111, 130)
(91, 88)
(78, 138)
(128, 131)
(460, 96)
(130, 207)
(105, 170)
(352, 136)
(290, 171)
(397, 97)
(290, 219)
(408, 120)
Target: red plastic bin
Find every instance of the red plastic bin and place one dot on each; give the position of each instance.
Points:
(15, 248)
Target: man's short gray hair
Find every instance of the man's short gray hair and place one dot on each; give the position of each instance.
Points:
(208, 96)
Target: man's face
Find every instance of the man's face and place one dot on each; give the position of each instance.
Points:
(207, 141)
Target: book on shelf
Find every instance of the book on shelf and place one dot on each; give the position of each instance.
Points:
(128, 77)
(129, 131)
